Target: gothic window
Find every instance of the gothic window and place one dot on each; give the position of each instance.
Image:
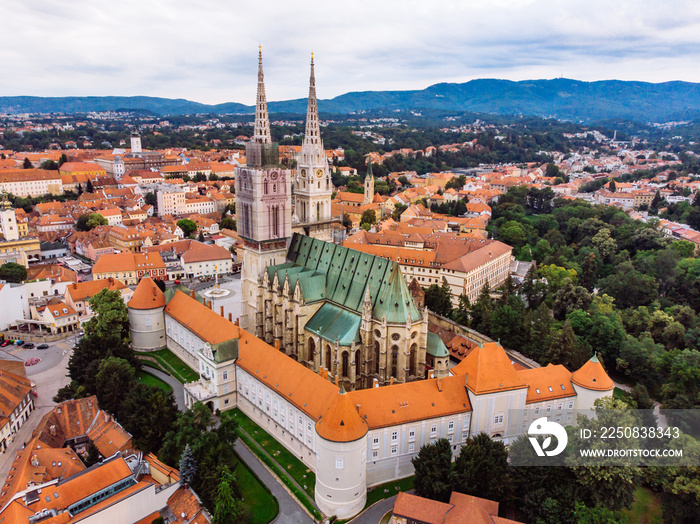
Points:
(395, 336)
(265, 187)
(376, 356)
(312, 349)
(413, 359)
(358, 367)
(345, 363)
(394, 360)
(274, 188)
(318, 211)
(328, 356)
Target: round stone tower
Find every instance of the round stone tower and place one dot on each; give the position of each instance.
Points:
(146, 318)
(341, 460)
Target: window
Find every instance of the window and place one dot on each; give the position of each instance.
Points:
(148, 322)
(394, 436)
(375, 454)
(375, 442)
(411, 434)
(411, 447)
(225, 375)
(571, 405)
(549, 409)
(498, 419)
(338, 462)
(559, 406)
(537, 411)
(394, 451)
(433, 430)
(450, 426)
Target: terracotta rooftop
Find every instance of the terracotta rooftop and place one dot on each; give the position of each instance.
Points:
(341, 422)
(592, 375)
(488, 369)
(147, 295)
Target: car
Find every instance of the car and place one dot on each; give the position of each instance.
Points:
(19, 342)
(5, 343)
(28, 345)
(43, 346)
(177, 282)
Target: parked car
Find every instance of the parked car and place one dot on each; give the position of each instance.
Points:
(5, 343)
(28, 345)
(19, 342)
(43, 346)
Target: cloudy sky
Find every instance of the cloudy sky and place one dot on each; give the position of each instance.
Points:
(206, 50)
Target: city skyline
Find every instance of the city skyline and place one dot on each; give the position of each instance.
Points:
(208, 55)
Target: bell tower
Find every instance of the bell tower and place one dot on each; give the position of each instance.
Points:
(313, 187)
(263, 211)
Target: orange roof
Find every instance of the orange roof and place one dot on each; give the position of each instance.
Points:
(487, 369)
(201, 320)
(147, 295)
(115, 262)
(418, 400)
(547, 383)
(202, 253)
(307, 390)
(592, 375)
(342, 422)
(60, 309)
(13, 390)
(420, 509)
(84, 290)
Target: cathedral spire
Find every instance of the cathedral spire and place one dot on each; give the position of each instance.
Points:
(312, 137)
(262, 120)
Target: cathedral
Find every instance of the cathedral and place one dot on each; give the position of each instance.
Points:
(342, 313)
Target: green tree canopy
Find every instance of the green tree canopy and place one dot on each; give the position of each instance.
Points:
(433, 465)
(187, 226)
(13, 272)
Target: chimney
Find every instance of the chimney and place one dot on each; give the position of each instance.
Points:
(320, 371)
(325, 374)
(222, 311)
(107, 417)
(391, 382)
(336, 381)
(192, 293)
(52, 429)
(237, 321)
(230, 318)
(439, 384)
(277, 344)
(375, 383)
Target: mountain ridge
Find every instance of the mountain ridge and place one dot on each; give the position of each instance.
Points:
(560, 98)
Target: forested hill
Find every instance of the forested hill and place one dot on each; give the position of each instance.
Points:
(560, 98)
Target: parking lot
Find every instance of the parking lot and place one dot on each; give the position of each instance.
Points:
(49, 358)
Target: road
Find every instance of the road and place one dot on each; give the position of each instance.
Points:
(178, 389)
(48, 378)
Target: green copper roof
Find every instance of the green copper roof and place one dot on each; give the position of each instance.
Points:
(331, 322)
(395, 300)
(170, 293)
(225, 351)
(436, 347)
(327, 271)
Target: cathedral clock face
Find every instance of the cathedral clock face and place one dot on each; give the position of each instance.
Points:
(273, 175)
(319, 173)
(303, 173)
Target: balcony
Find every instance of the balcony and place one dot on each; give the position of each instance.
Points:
(199, 390)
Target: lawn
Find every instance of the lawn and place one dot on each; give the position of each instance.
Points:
(389, 489)
(261, 505)
(283, 461)
(646, 508)
(146, 378)
(174, 366)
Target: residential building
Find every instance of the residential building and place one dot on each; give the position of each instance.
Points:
(78, 294)
(30, 182)
(129, 267)
(468, 509)
(16, 403)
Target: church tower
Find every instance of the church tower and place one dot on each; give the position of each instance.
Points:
(263, 211)
(369, 185)
(313, 187)
(8, 219)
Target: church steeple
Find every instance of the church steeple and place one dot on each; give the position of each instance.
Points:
(312, 137)
(261, 133)
(369, 184)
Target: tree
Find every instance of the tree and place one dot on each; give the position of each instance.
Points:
(432, 469)
(228, 223)
(148, 413)
(566, 349)
(368, 217)
(111, 319)
(460, 314)
(27, 164)
(188, 466)
(62, 160)
(201, 236)
(612, 187)
(13, 272)
(80, 189)
(569, 298)
(49, 165)
(512, 233)
(115, 378)
(552, 171)
(439, 299)
(151, 199)
(482, 310)
(229, 508)
(92, 454)
(89, 188)
(187, 226)
(481, 469)
(398, 210)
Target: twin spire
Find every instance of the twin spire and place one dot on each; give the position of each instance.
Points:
(261, 133)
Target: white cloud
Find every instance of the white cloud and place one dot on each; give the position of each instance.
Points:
(207, 51)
